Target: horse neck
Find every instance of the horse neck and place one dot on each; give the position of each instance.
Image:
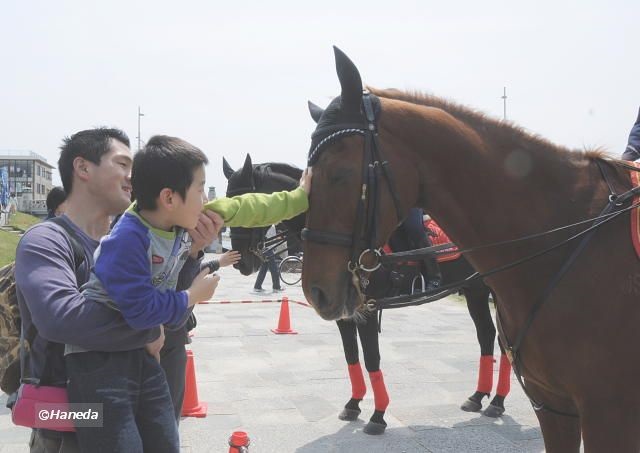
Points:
(475, 181)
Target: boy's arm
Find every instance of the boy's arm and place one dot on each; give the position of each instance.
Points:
(124, 270)
(46, 280)
(258, 209)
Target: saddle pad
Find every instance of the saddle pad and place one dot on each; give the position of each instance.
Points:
(441, 238)
(635, 213)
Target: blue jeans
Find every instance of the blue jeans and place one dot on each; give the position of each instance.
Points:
(269, 264)
(137, 409)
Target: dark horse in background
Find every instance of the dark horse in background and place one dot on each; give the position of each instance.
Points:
(567, 306)
(274, 177)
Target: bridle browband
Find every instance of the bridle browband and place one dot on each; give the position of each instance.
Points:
(363, 240)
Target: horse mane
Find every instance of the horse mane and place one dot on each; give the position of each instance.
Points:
(483, 122)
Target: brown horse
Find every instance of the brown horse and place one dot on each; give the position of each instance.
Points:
(486, 181)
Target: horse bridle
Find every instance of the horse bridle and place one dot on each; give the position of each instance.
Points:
(364, 237)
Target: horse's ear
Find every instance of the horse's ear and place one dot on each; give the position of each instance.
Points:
(247, 170)
(226, 168)
(350, 81)
(315, 110)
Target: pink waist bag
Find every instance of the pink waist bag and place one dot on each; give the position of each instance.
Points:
(32, 403)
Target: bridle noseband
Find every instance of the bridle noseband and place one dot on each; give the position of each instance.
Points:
(363, 241)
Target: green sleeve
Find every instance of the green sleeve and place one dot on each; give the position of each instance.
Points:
(259, 209)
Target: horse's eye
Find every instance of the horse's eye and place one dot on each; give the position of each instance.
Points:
(340, 175)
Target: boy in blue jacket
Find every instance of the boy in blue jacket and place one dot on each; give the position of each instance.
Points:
(136, 270)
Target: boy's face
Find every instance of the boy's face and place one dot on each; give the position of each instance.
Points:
(188, 210)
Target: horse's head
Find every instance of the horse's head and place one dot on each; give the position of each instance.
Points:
(352, 209)
(244, 240)
(260, 178)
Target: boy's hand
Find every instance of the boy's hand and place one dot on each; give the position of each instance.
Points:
(305, 180)
(216, 219)
(203, 287)
(203, 234)
(155, 347)
(229, 258)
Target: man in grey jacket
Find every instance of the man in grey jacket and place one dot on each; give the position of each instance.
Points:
(95, 167)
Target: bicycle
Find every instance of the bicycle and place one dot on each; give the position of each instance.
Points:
(290, 270)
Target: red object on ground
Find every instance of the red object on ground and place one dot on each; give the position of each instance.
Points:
(485, 375)
(239, 442)
(191, 406)
(284, 321)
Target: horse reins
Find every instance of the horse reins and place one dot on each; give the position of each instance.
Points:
(365, 232)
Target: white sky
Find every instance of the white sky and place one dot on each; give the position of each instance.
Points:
(235, 78)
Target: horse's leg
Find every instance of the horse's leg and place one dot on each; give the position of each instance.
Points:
(611, 425)
(358, 387)
(369, 339)
(478, 306)
(561, 433)
(496, 407)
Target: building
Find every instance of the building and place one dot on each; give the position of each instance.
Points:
(212, 193)
(27, 175)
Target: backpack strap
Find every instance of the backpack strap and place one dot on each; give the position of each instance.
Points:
(78, 250)
(32, 332)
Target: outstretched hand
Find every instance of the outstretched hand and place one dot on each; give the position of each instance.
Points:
(305, 180)
(229, 258)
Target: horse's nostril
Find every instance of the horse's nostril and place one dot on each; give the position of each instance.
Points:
(243, 267)
(318, 297)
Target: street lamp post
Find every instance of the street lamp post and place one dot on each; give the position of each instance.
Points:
(504, 100)
(139, 115)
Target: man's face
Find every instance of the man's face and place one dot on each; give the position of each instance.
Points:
(189, 209)
(111, 180)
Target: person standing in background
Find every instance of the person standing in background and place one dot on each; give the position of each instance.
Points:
(632, 152)
(56, 202)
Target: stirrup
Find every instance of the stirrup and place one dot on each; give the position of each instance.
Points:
(413, 284)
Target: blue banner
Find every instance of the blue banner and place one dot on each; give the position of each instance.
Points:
(4, 186)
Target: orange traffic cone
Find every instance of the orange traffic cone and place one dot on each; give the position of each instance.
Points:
(191, 407)
(239, 442)
(284, 322)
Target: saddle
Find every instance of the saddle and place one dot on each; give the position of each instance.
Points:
(438, 237)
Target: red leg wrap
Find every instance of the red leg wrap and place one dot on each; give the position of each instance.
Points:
(380, 395)
(504, 379)
(485, 375)
(358, 387)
